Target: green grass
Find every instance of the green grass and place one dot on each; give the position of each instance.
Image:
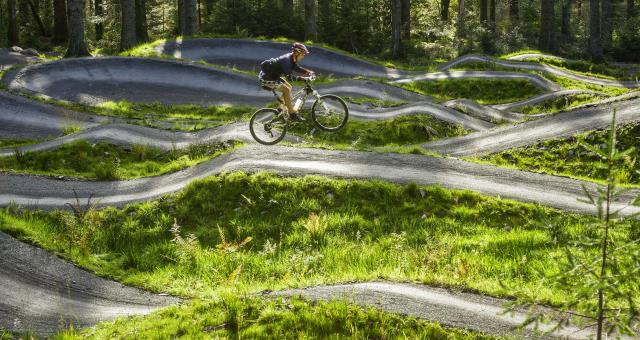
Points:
(586, 68)
(567, 157)
(294, 232)
(373, 102)
(234, 317)
(561, 104)
(108, 162)
(483, 91)
(366, 135)
(11, 142)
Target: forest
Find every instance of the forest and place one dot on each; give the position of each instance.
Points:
(412, 30)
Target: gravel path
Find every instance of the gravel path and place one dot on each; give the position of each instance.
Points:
(540, 67)
(560, 125)
(559, 192)
(39, 292)
(454, 309)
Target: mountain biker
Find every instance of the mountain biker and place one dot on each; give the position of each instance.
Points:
(273, 71)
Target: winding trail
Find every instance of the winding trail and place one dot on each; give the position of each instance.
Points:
(38, 289)
(540, 67)
(543, 98)
(40, 292)
(454, 309)
(559, 192)
(560, 125)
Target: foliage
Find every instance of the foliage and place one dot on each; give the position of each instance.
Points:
(568, 157)
(603, 281)
(237, 317)
(104, 161)
(483, 91)
(364, 230)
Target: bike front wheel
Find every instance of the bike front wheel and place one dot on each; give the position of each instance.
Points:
(330, 113)
(267, 126)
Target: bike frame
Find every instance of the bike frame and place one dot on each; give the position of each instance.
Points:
(303, 94)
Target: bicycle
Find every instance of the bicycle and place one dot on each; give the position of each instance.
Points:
(329, 112)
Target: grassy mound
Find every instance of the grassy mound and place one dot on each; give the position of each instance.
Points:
(483, 91)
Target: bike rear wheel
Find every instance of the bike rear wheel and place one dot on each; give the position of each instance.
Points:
(267, 126)
(330, 113)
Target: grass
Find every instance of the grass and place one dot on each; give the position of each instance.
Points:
(373, 102)
(567, 157)
(12, 142)
(109, 162)
(483, 91)
(366, 135)
(561, 104)
(234, 317)
(254, 232)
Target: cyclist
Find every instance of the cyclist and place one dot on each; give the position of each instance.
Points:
(273, 71)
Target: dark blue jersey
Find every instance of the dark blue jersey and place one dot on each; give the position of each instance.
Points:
(282, 66)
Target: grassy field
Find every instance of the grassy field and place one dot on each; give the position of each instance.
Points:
(13, 142)
(567, 157)
(238, 317)
(261, 231)
(561, 104)
(484, 91)
(104, 161)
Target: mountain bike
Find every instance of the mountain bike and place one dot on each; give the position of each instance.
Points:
(329, 112)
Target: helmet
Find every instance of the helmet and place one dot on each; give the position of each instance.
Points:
(299, 47)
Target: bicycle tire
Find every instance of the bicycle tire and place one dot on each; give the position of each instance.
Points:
(320, 125)
(254, 127)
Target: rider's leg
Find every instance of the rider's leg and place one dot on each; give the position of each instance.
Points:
(285, 89)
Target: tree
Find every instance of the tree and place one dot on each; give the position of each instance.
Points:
(311, 26)
(396, 28)
(405, 22)
(36, 17)
(60, 27)
(190, 17)
(128, 24)
(141, 21)
(13, 35)
(492, 15)
(514, 12)
(547, 40)
(99, 12)
(631, 8)
(444, 10)
(606, 24)
(595, 44)
(460, 29)
(566, 21)
(483, 13)
(77, 44)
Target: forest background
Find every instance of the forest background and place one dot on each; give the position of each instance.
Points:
(413, 30)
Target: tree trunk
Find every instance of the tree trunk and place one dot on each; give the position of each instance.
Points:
(460, 29)
(492, 15)
(444, 10)
(311, 26)
(13, 35)
(128, 24)
(595, 45)
(99, 12)
(60, 27)
(396, 28)
(191, 17)
(566, 21)
(631, 8)
(483, 13)
(208, 9)
(181, 29)
(287, 7)
(547, 40)
(77, 43)
(405, 22)
(142, 34)
(606, 24)
(514, 12)
(36, 17)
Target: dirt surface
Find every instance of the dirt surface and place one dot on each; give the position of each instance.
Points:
(559, 192)
(540, 67)
(40, 292)
(454, 309)
(560, 125)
